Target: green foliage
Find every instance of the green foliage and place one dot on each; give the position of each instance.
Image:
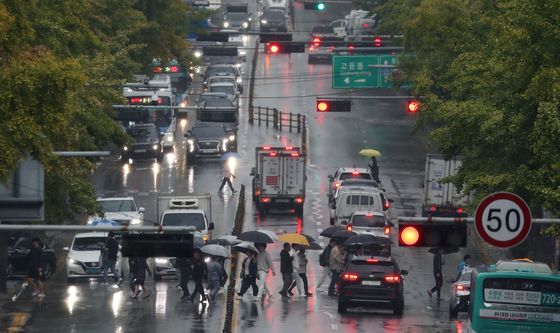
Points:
(62, 65)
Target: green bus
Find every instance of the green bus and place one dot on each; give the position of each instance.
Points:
(514, 296)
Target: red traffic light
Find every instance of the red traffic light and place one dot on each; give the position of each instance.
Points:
(377, 42)
(333, 105)
(413, 106)
(440, 234)
(323, 106)
(316, 41)
(409, 236)
(273, 48)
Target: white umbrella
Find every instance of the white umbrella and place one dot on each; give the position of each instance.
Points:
(215, 250)
(270, 234)
(231, 238)
(246, 247)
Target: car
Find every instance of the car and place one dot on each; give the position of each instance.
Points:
(165, 266)
(320, 55)
(361, 184)
(120, 209)
(17, 257)
(211, 70)
(210, 96)
(229, 88)
(346, 173)
(353, 199)
(460, 294)
(147, 143)
(225, 77)
(84, 256)
(371, 281)
(207, 139)
(369, 222)
(237, 20)
(273, 21)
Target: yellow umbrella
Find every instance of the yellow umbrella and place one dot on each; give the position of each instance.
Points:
(370, 152)
(294, 239)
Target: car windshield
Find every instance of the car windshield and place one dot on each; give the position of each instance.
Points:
(351, 175)
(372, 221)
(219, 69)
(208, 131)
(89, 243)
(274, 15)
(236, 17)
(217, 79)
(184, 219)
(225, 89)
(141, 133)
(115, 206)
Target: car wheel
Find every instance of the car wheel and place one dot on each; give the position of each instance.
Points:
(398, 307)
(342, 306)
(10, 271)
(47, 270)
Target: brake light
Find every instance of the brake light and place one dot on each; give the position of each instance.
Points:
(299, 200)
(265, 199)
(369, 215)
(392, 279)
(372, 261)
(349, 277)
(460, 287)
(349, 227)
(355, 173)
(460, 210)
(387, 230)
(433, 209)
(257, 192)
(289, 148)
(266, 148)
(295, 154)
(273, 154)
(386, 204)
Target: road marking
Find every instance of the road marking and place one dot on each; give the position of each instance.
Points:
(319, 223)
(334, 326)
(330, 315)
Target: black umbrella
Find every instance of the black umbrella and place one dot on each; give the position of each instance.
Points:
(255, 237)
(331, 230)
(367, 239)
(343, 234)
(312, 246)
(446, 250)
(219, 241)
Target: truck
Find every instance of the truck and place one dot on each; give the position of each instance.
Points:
(279, 178)
(177, 210)
(442, 198)
(357, 22)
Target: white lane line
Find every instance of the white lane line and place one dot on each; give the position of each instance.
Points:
(334, 326)
(319, 223)
(330, 315)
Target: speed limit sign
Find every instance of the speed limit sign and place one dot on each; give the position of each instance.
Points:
(503, 219)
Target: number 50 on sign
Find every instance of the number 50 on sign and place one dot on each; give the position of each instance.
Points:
(503, 219)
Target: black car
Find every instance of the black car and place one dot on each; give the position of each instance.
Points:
(208, 139)
(238, 21)
(273, 21)
(147, 143)
(371, 281)
(18, 262)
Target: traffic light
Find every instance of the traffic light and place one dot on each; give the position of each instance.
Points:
(316, 41)
(157, 245)
(433, 234)
(274, 37)
(320, 6)
(284, 47)
(333, 105)
(413, 106)
(377, 42)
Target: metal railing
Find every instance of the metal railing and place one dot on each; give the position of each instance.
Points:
(276, 118)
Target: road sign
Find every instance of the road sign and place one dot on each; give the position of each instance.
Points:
(354, 72)
(503, 219)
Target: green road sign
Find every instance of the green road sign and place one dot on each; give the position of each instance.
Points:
(365, 71)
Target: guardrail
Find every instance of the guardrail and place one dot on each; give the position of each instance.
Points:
(276, 118)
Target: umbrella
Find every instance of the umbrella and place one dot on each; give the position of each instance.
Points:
(270, 234)
(367, 239)
(343, 234)
(312, 246)
(370, 153)
(215, 250)
(309, 238)
(331, 230)
(446, 250)
(246, 247)
(103, 222)
(219, 241)
(294, 239)
(230, 238)
(255, 237)
(229, 155)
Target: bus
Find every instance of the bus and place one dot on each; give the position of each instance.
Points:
(514, 296)
(179, 75)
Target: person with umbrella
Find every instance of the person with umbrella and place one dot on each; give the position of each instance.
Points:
(110, 253)
(374, 168)
(249, 273)
(336, 262)
(286, 268)
(214, 278)
(302, 272)
(264, 265)
(324, 259)
(438, 263)
(199, 272)
(184, 265)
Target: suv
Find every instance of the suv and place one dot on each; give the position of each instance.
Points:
(208, 139)
(371, 280)
(346, 173)
(122, 210)
(147, 143)
(273, 20)
(17, 258)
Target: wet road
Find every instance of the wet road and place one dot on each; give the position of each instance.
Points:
(288, 83)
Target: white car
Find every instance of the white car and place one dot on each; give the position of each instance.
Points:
(229, 88)
(84, 256)
(122, 210)
(335, 181)
(368, 222)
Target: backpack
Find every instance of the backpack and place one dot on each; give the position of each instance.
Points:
(324, 259)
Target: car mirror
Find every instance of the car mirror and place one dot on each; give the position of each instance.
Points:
(141, 209)
(404, 272)
(211, 226)
(66, 249)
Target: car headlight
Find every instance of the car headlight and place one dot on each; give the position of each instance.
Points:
(72, 260)
(239, 80)
(125, 148)
(155, 147)
(224, 144)
(183, 104)
(162, 261)
(169, 138)
(231, 137)
(135, 221)
(190, 141)
(264, 22)
(245, 24)
(226, 24)
(242, 52)
(197, 54)
(90, 220)
(207, 259)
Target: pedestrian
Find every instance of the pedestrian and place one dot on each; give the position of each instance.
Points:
(35, 273)
(286, 268)
(199, 272)
(110, 254)
(374, 169)
(140, 269)
(438, 263)
(302, 272)
(324, 262)
(296, 279)
(214, 278)
(226, 179)
(131, 268)
(264, 265)
(462, 265)
(221, 260)
(336, 262)
(249, 270)
(184, 265)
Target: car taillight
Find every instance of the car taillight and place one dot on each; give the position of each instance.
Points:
(460, 210)
(349, 277)
(257, 192)
(355, 173)
(392, 278)
(387, 230)
(299, 200)
(460, 287)
(349, 227)
(265, 199)
(372, 261)
(386, 204)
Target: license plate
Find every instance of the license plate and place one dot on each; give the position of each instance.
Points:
(282, 200)
(93, 271)
(371, 283)
(140, 150)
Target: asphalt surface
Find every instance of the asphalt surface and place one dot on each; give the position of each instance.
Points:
(288, 83)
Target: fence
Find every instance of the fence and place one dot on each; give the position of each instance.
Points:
(277, 119)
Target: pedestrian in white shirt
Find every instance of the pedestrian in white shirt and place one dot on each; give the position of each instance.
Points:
(297, 279)
(264, 264)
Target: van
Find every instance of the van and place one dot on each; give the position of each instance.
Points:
(353, 200)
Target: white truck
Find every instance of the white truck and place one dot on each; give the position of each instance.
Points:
(357, 23)
(279, 178)
(442, 199)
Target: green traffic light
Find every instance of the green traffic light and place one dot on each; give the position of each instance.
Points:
(321, 6)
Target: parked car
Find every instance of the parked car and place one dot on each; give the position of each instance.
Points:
(18, 262)
(371, 281)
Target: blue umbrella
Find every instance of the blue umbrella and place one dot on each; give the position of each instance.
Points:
(229, 155)
(105, 222)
